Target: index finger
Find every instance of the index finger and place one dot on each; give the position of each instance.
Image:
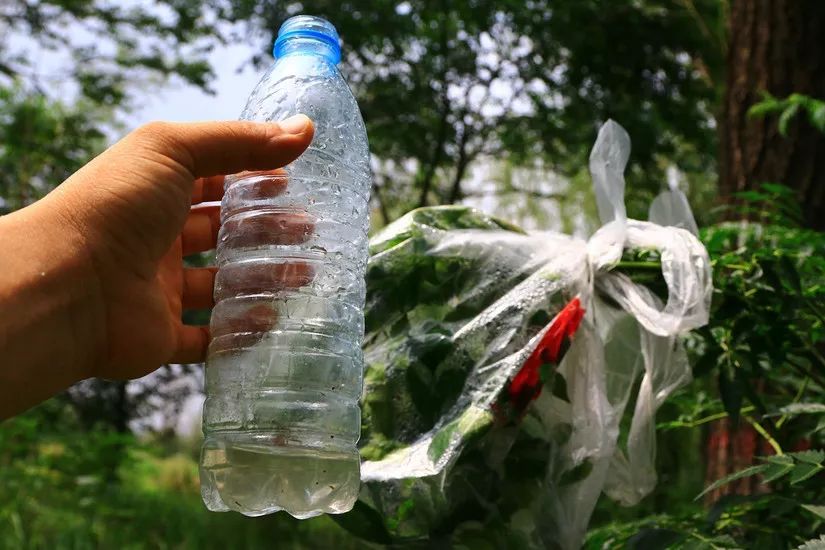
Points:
(207, 189)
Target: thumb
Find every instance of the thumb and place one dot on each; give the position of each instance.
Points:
(219, 148)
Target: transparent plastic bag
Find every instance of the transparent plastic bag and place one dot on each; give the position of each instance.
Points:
(500, 363)
(671, 208)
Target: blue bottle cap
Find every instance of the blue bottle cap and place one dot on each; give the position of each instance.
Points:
(308, 26)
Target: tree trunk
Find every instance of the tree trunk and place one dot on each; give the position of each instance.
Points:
(777, 46)
(774, 46)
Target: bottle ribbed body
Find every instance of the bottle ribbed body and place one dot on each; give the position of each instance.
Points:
(284, 371)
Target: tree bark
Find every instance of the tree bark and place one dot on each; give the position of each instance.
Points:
(775, 46)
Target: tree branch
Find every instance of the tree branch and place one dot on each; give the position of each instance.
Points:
(382, 207)
(438, 150)
(461, 168)
(444, 112)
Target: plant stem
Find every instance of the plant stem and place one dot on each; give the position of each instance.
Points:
(711, 418)
(765, 435)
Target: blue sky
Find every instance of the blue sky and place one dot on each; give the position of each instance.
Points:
(182, 103)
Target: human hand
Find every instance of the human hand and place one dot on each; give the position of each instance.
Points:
(128, 214)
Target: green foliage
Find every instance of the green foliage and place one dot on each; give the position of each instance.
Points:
(759, 361)
(735, 522)
(365, 523)
(788, 108)
(54, 115)
(105, 47)
(757, 521)
(41, 144)
(62, 486)
(800, 466)
(516, 81)
(767, 319)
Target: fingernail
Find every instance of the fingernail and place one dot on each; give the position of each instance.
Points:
(295, 124)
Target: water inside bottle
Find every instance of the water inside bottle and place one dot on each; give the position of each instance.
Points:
(264, 478)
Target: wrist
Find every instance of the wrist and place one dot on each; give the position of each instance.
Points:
(75, 272)
(51, 301)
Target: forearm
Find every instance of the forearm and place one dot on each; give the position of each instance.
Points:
(50, 316)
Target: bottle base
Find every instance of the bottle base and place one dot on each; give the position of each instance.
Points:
(251, 474)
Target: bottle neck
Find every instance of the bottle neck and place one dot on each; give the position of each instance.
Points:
(305, 45)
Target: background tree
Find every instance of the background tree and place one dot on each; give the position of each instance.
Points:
(520, 82)
(105, 49)
(41, 144)
(54, 115)
(774, 46)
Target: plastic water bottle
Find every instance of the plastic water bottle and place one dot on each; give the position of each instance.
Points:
(284, 371)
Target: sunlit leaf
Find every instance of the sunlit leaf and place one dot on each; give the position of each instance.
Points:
(801, 472)
(747, 472)
(815, 509)
(809, 457)
(813, 544)
(786, 116)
